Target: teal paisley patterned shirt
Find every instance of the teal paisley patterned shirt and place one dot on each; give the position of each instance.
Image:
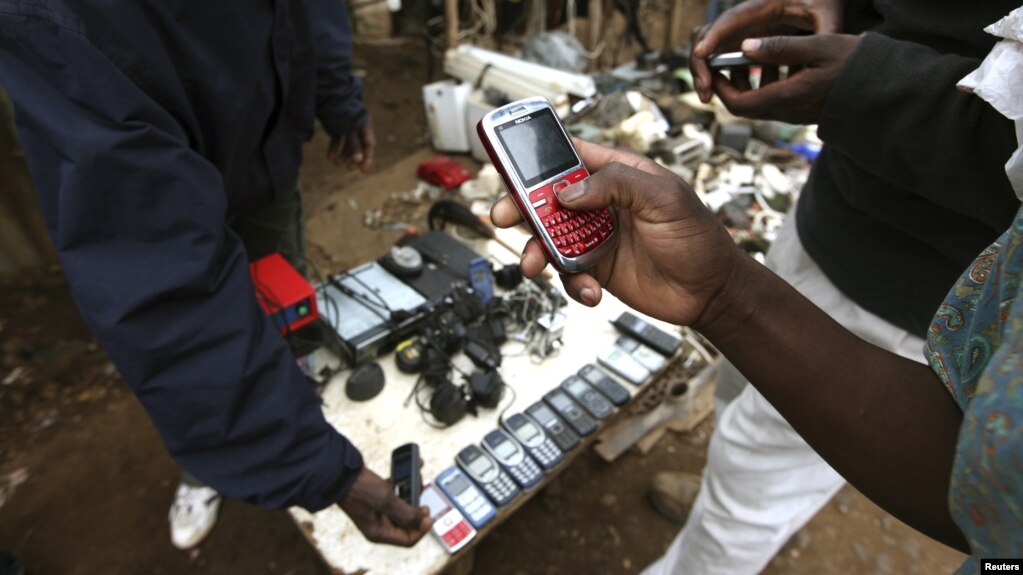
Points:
(975, 345)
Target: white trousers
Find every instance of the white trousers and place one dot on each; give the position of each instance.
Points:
(762, 481)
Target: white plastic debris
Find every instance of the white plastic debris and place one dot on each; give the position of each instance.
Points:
(999, 81)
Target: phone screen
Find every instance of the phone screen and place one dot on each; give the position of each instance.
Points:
(504, 449)
(592, 374)
(432, 499)
(561, 402)
(537, 146)
(542, 414)
(401, 466)
(456, 484)
(526, 432)
(577, 386)
(479, 466)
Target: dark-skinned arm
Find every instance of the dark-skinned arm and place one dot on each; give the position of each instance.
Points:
(753, 19)
(884, 422)
(891, 106)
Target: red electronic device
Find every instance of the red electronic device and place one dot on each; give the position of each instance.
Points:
(444, 172)
(283, 293)
(536, 159)
(449, 525)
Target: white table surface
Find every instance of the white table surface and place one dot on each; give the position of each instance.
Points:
(379, 425)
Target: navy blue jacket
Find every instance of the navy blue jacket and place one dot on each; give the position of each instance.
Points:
(148, 124)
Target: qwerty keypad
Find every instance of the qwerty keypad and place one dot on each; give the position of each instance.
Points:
(577, 232)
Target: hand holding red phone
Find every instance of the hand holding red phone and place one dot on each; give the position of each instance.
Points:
(536, 159)
(673, 257)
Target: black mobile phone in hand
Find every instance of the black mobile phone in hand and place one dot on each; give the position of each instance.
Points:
(405, 478)
(536, 159)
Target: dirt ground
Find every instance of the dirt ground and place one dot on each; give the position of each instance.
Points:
(85, 483)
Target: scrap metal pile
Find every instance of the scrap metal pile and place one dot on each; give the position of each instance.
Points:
(747, 172)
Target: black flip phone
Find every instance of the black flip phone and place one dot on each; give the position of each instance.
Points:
(405, 477)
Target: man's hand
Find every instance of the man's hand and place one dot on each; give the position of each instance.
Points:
(757, 18)
(354, 149)
(380, 515)
(673, 257)
(814, 64)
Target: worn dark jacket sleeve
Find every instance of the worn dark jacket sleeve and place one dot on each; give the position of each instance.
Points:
(895, 111)
(138, 220)
(339, 104)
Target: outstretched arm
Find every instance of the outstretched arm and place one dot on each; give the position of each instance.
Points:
(884, 422)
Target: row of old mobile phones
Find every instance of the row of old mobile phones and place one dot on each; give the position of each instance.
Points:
(465, 496)
(515, 457)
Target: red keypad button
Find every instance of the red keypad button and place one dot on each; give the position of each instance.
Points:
(573, 232)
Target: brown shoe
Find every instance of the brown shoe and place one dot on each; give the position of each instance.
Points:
(672, 494)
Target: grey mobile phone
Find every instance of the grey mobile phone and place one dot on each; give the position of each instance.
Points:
(730, 60)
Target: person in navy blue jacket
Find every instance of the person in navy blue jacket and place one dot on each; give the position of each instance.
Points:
(149, 126)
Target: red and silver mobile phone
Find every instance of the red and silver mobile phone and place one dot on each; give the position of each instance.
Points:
(451, 528)
(536, 159)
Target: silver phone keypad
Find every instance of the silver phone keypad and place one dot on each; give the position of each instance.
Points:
(501, 489)
(525, 472)
(547, 453)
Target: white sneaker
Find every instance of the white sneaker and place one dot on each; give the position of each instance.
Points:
(193, 515)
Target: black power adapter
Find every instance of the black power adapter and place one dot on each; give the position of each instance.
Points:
(486, 387)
